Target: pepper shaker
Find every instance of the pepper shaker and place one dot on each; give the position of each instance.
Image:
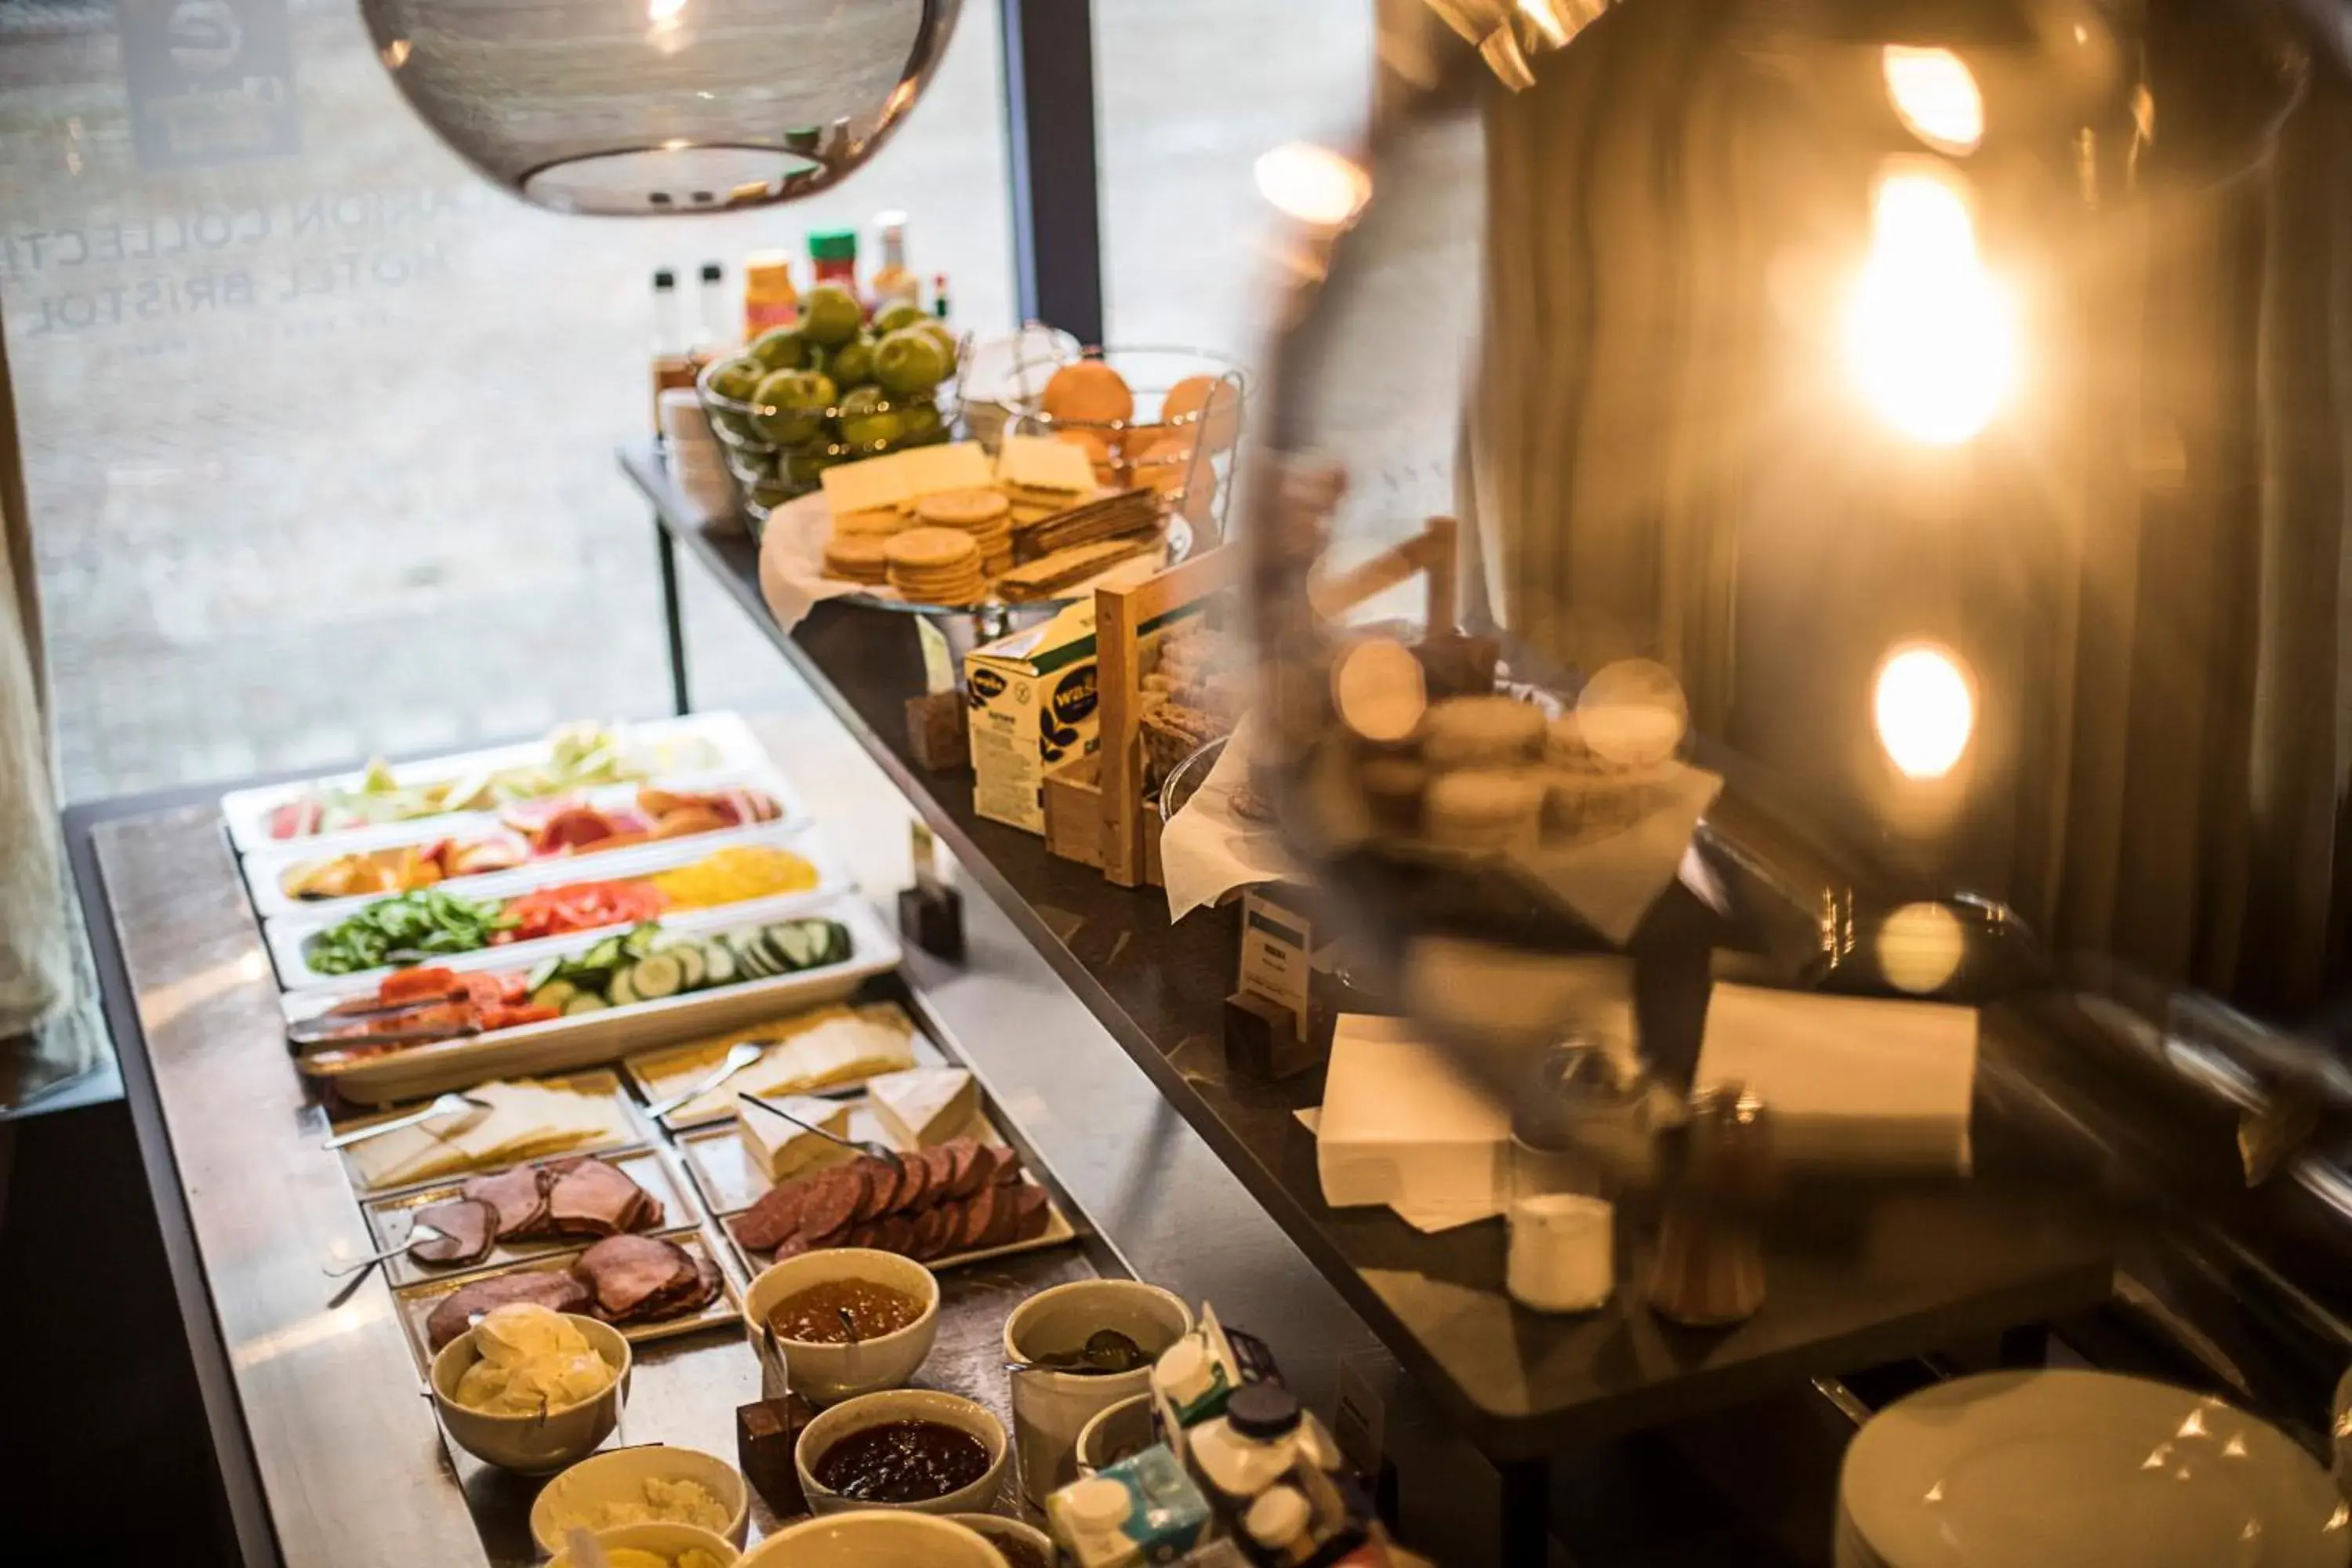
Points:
(1709, 1268)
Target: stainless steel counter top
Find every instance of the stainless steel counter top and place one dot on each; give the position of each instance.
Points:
(331, 1454)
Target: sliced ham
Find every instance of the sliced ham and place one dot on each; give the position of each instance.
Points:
(516, 1197)
(467, 1226)
(551, 1288)
(632, 1276)
(594, 1199)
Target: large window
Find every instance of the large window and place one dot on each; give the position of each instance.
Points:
(319, 429)
(1191, 93)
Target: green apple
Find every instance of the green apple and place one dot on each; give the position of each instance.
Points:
(737, 378)
(803, 468)
(779, 348)
(944, 335)
(790, 404)
(853, 361)
(921, 416)
(867, 418)
(831, 315)
(902, 314)
(909, 360)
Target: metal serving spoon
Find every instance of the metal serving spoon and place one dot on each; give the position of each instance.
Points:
(739, 1055)
(882, 1151)
(416, 1233)
(1106, 1354)
(452, 1104)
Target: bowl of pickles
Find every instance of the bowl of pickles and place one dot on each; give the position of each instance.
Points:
(834, 387)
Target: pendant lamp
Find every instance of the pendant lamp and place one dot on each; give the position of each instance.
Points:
(655, 107)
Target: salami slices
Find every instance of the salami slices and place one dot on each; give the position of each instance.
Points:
(960, 1197)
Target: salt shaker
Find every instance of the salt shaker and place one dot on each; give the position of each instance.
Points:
(1571, 1125)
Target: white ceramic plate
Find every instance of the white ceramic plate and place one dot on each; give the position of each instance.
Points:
(2055, 1469)
(265, 870)
(733, 749)
(289, 936)
(583, 1040)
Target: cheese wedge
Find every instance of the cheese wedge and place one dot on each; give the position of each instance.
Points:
(817, 1050)
(525, 1121)
(898, 477)
(1044, 463)
(925, 1107)
(784, 1150)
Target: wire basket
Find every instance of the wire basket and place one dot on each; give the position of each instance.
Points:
(776, 454)
(1187, 455)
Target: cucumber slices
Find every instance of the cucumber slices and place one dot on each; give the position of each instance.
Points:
(649, 965)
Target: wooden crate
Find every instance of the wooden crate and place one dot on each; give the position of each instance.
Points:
(1122, 616)
(1074, 812)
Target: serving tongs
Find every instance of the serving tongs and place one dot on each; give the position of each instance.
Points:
(882, 1151)
(326, 1030)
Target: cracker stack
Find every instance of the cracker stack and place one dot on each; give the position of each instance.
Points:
(984, 514)
(936, 566)
(1119, 515)
(859, 557)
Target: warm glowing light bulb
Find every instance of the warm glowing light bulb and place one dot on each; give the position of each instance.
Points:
(1931, 337)
(1934, 95)
(1924, 710)
(1313, 185)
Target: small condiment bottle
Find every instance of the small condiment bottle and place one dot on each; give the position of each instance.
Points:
(1248, 1448)
(1089, 1517)
(1192, 1380)
(769, 297)
(1282, 1524)
(832, 256)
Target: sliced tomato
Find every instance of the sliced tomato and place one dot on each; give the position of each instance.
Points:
(418, 984)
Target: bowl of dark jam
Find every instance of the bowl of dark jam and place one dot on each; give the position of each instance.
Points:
(905, 1448)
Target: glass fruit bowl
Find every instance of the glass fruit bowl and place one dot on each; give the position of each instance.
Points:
(786, 409)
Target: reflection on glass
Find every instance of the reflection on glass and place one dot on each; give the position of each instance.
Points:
(1923, 711)
(1932, 339)
(1312, 184)
(1935, 96)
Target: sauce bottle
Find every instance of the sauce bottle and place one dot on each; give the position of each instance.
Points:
(769, 297)
(832, 256)
(673, 364)
(893, 281)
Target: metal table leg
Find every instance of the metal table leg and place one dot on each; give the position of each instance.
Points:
(673, 622)
(1526, 1533)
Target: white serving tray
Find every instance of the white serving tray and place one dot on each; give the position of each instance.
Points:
(584, 1039)
(288, 935)
(247, 810)
(265, 869)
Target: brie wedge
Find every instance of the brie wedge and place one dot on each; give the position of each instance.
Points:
(784, 1150)
(924, 1107)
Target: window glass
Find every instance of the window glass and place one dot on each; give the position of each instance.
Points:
(1189, 96)
(319, 430)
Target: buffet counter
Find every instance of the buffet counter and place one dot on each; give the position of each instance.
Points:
(328, 1454)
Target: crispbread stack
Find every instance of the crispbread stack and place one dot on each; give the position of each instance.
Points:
(984, 514)
(1114, 516)
(936, 566)
(1043, 578)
